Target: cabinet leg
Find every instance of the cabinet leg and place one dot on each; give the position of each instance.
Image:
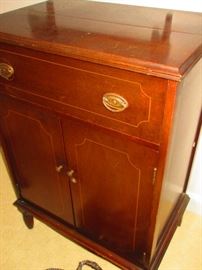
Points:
(28, 220)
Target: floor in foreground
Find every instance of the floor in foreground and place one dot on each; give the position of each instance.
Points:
(42, 248)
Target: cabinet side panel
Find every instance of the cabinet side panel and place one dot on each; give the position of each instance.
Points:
(186, 117)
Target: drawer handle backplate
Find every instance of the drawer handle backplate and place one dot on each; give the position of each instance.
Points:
(6, 71)
(114, 102)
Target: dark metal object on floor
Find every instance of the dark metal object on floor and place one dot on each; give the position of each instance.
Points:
(93, 265)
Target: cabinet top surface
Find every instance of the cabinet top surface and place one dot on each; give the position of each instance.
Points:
(159, 42)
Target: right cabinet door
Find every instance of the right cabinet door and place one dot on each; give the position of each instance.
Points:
(112, 185)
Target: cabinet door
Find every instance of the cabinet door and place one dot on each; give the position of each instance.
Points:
(112, 184)
(35, 147)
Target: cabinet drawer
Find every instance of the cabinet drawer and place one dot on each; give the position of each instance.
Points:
(123, 101)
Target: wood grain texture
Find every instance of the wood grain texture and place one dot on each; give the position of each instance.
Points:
(35, 145)
(185, 120)
(150, 42)
(112, 197)
(166, 134)
(78, 89)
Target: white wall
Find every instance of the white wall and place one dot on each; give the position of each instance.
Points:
(7, 5)
(195, 183)
(189, 5)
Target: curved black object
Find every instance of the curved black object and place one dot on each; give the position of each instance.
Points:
(93, 265)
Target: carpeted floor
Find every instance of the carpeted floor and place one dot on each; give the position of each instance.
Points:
(42, 248)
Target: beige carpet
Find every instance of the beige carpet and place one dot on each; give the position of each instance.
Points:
(42, 248)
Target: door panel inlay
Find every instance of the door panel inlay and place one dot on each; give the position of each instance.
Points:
(111, 169)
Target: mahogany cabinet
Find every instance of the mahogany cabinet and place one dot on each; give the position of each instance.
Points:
(99, 117)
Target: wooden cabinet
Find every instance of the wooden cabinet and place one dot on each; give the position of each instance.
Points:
(98, 115)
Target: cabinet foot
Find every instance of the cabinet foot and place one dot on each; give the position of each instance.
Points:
(28, 220)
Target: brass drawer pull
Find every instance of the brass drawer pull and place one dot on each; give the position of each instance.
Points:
(114, 102)
(6, 71)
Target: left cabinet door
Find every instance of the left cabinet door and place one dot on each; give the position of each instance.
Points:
(35, 147)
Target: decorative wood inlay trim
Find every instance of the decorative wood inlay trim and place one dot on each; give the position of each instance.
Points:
(52, 148)
(67, 66)
(109, 147)
(137, 205)
(10, 90)
(130, 162)
(90, 72)
(82, 109)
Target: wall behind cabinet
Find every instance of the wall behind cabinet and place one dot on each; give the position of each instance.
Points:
(7, 5)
